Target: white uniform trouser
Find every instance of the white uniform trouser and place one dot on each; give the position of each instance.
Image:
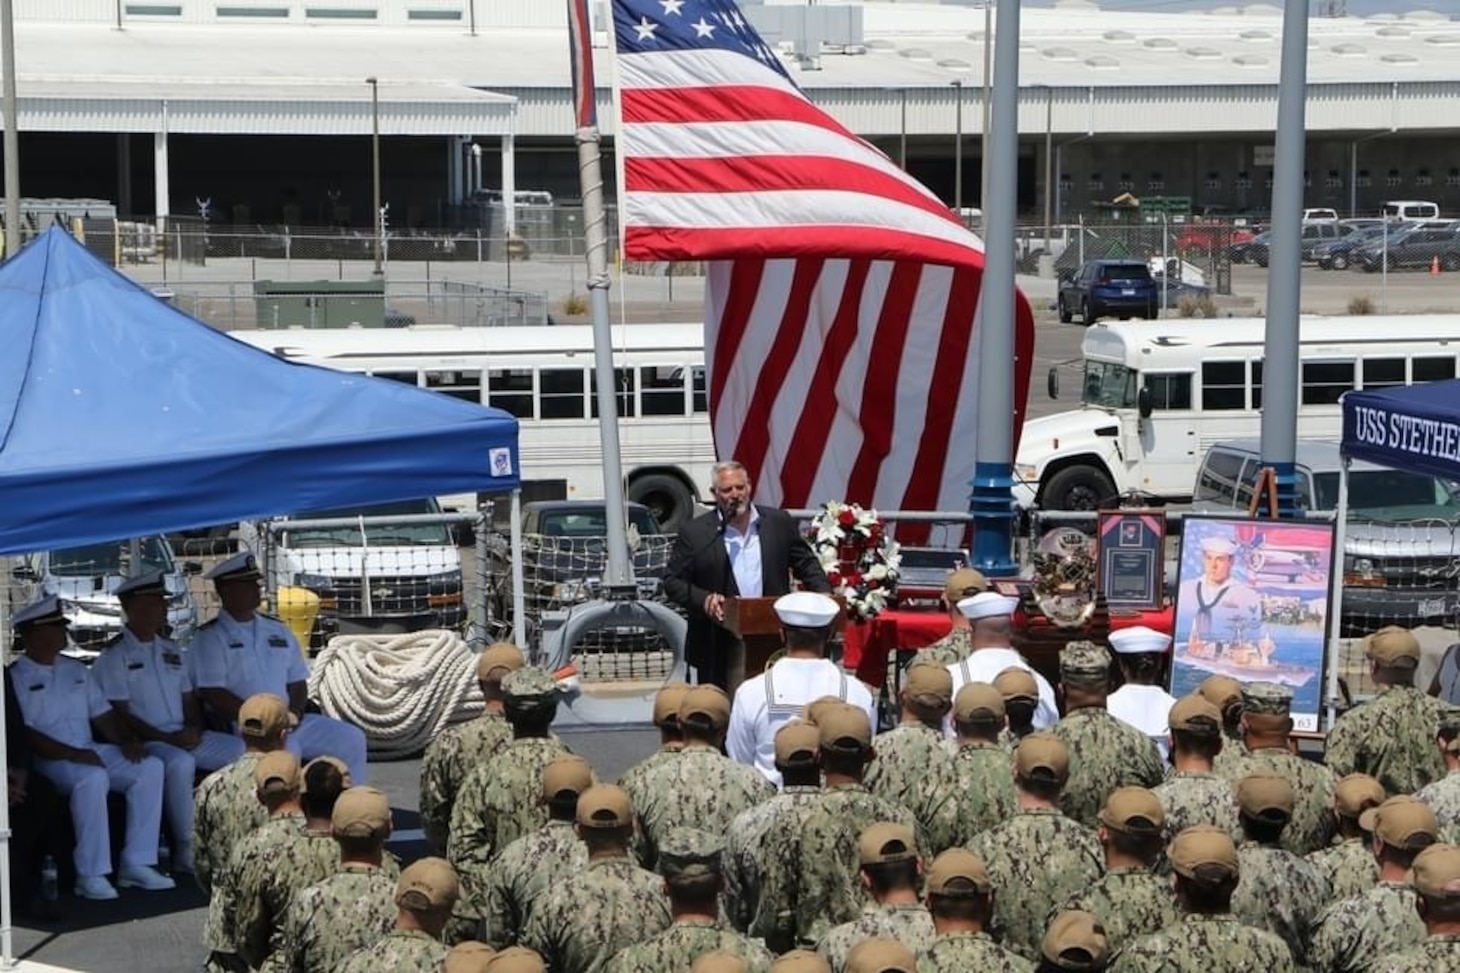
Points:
(180, 767)
(322, 736)
(87, 786)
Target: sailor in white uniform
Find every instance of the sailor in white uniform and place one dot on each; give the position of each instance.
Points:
(991, 616)
(60, 704)
(772, 699)
(1216, 607)
(146, 679)
(1142, 702)
(243, 652)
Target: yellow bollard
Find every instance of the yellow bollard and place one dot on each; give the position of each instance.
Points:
(299, 607)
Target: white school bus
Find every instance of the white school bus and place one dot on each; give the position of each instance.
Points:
(544, 376)
(1154, 395)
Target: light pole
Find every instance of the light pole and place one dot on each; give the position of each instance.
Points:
(1048, 163)
(375, 170)
(988, 70)
(11, 141)
(958, 147)
(902, 140)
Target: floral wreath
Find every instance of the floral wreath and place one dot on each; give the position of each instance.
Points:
(859, 559)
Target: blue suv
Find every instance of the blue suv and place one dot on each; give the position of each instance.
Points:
(1109, 288)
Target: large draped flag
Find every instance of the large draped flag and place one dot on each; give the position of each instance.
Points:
(842, 296)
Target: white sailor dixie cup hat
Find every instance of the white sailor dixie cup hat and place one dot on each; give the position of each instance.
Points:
(1138, 639)
(1217, 544)
(806, 609)
(987, 604)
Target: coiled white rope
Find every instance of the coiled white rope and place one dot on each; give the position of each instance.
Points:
(401, 690)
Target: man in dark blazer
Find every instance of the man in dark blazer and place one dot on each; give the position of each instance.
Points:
(737, 549)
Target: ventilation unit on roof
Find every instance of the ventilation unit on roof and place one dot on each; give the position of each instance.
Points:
(1444, 40)
(1060, 54)
(1399, 59)
(1102, 62)
(955, 64)
(916, 53)
(1394, 31)
(1250, 61)
(1119, 37)
(1256, 35)
(1347, 50)
(1203, 53)
(880, 45)
(1160, 44)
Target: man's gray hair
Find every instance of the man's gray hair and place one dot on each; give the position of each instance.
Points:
(726, 466)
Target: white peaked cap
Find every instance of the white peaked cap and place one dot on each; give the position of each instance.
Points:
(1138, 639)
(806, 609)
(987, 604)
(1217, 544)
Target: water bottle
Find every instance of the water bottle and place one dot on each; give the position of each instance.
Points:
(50, 880)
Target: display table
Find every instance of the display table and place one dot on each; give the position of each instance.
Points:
(865, 645)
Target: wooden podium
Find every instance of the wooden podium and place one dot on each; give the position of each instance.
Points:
(754, 622)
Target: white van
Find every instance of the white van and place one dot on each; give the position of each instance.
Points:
(404, 574)
(1407, 210)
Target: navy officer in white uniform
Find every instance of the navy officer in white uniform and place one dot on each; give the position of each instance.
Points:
(61, 705)
(772, 699)
(146, 678)
(991, 623)
(243, 652)
(1143, 701)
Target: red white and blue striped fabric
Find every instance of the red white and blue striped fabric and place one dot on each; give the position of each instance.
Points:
(580, 41)
(843, 296)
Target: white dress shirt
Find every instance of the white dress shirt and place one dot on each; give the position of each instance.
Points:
(59, 700)
(769, 701)
(1148, 709)
(245, 658)
(744, 553)
(150, 677)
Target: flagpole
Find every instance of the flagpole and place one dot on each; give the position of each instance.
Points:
(619, 576)
(992, 503)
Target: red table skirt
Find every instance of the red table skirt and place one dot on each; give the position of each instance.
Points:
(865, 645)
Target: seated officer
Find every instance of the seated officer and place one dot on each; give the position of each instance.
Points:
(145, 677)
(61, 703)
(243, 652)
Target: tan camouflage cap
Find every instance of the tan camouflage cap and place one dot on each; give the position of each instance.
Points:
(1043, 756)
(427, 885)
(1437, 872)
(978, 701)
(885, 842)
(516, 959)
(335, 762)
(1203, 850)
(719, 963)
(689, 853)
(569, 774)
(796, 743)
(845, 729)
(666, 702)
(1267, 699)
(1393, 646)
(264, 714)
(277, 772)
(812, 712)
(1016, 683)
(1402, 822)
(1356, 793)
(928, 684)
(1076, 940)
(801, 961)
(1450, 726)
(958, 873)
(468, 957)
(604, 806)
(878, 955)
(706, 706)
(1220, 691)
(497, 660)
(1196, 715)
(1133, 810)
(1265, 795)
(963, 583)
(360, 812)
(1085, 663)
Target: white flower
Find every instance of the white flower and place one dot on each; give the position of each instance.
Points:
(877, 572)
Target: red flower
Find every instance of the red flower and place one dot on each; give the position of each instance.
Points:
(846, 518)
(855, 579)
(835, 578)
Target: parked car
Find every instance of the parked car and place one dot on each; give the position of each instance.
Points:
(1108, 288)
(1313, 234)
(1199, 239)
(1240, 253)
(1320, 214)
(1419, 246)
(1410, 209)
(1338, 254)
(85, 577)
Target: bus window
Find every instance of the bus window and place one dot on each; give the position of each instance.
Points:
(1170, 390)
(405, 378)
(561, 393)
(464, 384)
(661, 390)
(510, 389)
(701, 403)
(1433, 369)
(1325, 381)
(1257, 384)
(1109, 385)
(1382, 373)
(623, 378)
(1223, 385)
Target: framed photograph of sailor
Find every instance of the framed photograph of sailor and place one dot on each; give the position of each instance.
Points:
(1132, 545)
(1252, 603)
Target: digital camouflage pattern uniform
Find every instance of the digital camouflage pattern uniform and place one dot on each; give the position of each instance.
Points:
(914, 769)
(911, 925)
(952, 648)
(225, 810)
(1281, 893)
(498, 803)
(1036, 859)
(1353, 934)
(449, 759)
(677, 947)
(1349, 867)
(1391, 738)
(1205, 944)
(701, 788)
(1443, 797)
(745, 848)
(1190, 798)
(984, 784)
(1234, 748)
(266, 885)
(1130, 902)
(520, 874)
(329, 920)
(400, 951)
(584, 919)
(1311, 826)
(961, 952)
(254, 855)
(1435, 954)
(1105, 753)
(632, 782)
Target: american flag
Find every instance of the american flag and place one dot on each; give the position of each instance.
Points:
(842, 296)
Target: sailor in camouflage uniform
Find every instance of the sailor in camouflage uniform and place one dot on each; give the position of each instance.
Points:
(1075, 940)
(424, 897)
(1353, 934)
(954, 647)
(913, 766)
(671, 741)
(1392, 736)
(700, 788)
(690, 862)
(1131, 900)
(351, 909)
(745, 839)
(1038, 858)
(456, 751)
(516, 959)
(528, 866)
(1279, 891)
(1021, 701)
(580, 923)
(890, 867)
(1208, 938)
(1192, 793)
(1437, 883)
(1225, 693)
(277, 781)
(499, 800)
(960, 900)
(1443, 796)
(1266, 725)
(1105, 752)
(1349, 865)
(983, 785)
